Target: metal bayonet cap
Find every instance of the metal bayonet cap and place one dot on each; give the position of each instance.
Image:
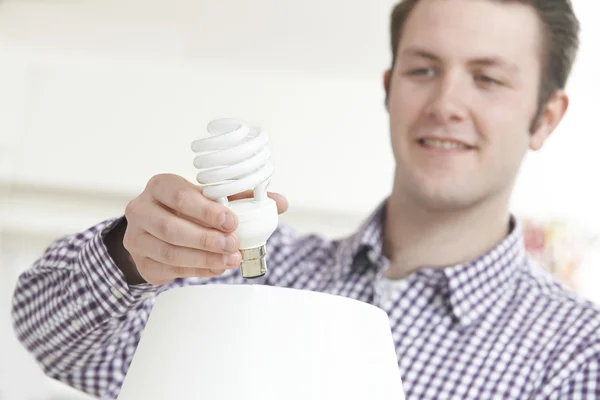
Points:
(253, 264)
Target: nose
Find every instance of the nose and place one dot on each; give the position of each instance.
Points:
(448, 100)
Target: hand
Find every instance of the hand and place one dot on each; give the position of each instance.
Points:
(173, 231)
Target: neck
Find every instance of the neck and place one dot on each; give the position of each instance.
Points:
(417, 237)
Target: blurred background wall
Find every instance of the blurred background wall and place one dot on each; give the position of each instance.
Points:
(96, 96)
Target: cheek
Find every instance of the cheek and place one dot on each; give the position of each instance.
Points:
(404, 105)
(404, 108)
(499, 116)
(503, 123)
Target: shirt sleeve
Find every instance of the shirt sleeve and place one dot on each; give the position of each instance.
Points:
(75, 313)
(579, 378)
(585, 384)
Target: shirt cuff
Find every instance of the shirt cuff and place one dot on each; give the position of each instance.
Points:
(106, 282)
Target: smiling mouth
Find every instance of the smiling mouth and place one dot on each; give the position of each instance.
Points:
(444, 144)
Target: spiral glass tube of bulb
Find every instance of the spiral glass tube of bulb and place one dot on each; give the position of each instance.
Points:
(234, 159)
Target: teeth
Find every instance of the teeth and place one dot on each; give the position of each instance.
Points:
(443, 144)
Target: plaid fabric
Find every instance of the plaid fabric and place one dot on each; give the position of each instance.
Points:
(497, 327)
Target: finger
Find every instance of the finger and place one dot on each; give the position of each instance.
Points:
(243, 195)
(177, 231)
(280, 200)
(149, 246)
(184, 198)
(159, 274)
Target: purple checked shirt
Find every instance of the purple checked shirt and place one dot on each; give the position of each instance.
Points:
(495, 328)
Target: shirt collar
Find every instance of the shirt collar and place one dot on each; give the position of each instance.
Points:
(471, 288)
(474, 287)
(369, 235)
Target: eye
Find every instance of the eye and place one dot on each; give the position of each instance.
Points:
(487, 80)
(422, 72)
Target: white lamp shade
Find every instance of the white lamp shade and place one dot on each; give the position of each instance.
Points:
(256, 342)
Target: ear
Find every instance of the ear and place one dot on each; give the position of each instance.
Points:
(386, 81)
(549, 118)
(386, 86)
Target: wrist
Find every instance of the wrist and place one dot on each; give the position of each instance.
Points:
(113, 240)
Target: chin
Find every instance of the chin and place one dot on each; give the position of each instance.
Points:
(447, 205)
(442, 191)
(444, 198)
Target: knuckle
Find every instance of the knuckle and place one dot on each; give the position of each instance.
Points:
(214, 243)
(200, 259)
(236, 241)
(206, 214)
(212, 212)
(203, 273)
(204, 241)
(155, 181)
(214, 260)
(167, 229)
(182, 198)
(211, 273)
(131, 209)
(183, 272)
(168, 253)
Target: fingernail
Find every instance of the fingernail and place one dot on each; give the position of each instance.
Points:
(227, 221)
(217, 271)
(228, 243)
(232, 259)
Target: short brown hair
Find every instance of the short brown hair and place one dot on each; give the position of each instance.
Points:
(560, 29)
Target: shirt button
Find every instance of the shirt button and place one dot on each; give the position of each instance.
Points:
(76, 325)
(116, 292)
(372, 255)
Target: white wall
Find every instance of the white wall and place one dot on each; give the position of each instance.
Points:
(74, 97)
(97, 96)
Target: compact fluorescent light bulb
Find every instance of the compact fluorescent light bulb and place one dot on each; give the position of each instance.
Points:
(235, 158)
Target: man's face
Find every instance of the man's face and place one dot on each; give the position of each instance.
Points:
(462, 97)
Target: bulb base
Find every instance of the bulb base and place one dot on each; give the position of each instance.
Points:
(253, 264)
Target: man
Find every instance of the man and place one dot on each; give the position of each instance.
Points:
(473, 86)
